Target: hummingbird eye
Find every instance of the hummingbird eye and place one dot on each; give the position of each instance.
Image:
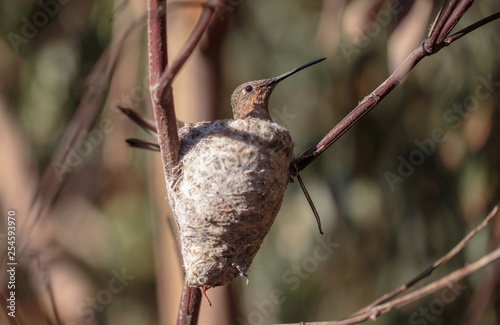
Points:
(248, 89)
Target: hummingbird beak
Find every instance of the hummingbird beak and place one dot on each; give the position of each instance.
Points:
(274, 81)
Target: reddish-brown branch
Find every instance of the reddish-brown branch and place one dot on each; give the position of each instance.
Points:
(164, 111)
(161, 77)
(437, 24)
(189, 308)
(442, 283)
(452, 21)
(369, 102)
(157, 39)
(146, 124)
(382, 305)
(441, 20)
(171, 71)
(436, 40)
(471, 28)
(454, 251)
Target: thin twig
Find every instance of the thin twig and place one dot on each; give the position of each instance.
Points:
(311, 203)
(452, 21)
(471, 28)
(454, 251)
(141, 144)
(442, 283)
(146, 124)
(431, 45)
(444, 17)
(299, 163)
(46, 279)
(436, 20)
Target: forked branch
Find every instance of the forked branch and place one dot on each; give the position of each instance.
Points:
(168, 75)
(164, 111)
(437, 38)
(161, 75)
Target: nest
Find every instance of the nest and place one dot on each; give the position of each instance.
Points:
(226, 192)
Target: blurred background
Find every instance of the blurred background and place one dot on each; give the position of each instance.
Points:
(397, 191)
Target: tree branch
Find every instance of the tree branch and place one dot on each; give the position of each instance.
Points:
(452, 21)
(381, 306)
(164, 111)
(454, 251)
(299, 163)
(471, 28)
(437, 39)
(444, 282)
(161, 76)
(169, 74)
(190, 306)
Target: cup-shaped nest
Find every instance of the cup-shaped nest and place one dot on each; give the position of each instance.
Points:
(226, 192)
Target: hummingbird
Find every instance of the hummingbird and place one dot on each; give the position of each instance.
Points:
(248, 100)
(229, 184)
(251, 99)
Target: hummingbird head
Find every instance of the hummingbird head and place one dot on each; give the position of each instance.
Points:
(251, 99)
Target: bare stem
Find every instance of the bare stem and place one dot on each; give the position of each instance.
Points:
(189, 308)
(369, 102)
(161, 75)
(442, 18)
(436, 40)
(454, 251)
(471, 28)
(437, 20)
(168, 75)
(381, 306)
(164, 111)
(453, 19)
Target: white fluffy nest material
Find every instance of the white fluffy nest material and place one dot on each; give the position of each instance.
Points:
(226, 192)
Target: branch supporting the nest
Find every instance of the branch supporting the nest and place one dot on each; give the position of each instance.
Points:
(437, 38)
(161, 75)
(189, 308)
(369, 102)
(164, 111)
